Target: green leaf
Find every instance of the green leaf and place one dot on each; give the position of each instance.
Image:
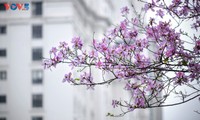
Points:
(77, 79)
(109, 114)
(166, 60)
(185, 63)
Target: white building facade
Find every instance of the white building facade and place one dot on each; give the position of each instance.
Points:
(26, 91)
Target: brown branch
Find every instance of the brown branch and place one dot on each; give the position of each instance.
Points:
(174, 104)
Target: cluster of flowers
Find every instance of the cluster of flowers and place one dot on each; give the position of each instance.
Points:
(183, 9)
(139, 54)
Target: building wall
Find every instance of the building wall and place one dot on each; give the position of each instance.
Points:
(57, 25)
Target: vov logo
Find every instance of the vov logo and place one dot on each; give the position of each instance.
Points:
(16, 6)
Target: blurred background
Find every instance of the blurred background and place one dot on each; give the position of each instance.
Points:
(27, 92)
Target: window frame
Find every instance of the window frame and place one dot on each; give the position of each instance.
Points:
(37, 118)
(3, 53)
(3, 100)
(37, 100)
(37, 76)
(37, 5)
(37, 31)
(3, 75)
(2, 6)
(2, 118)
(3, 29)
(37, 54)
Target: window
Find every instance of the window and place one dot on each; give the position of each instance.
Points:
(37, 76)
(37, 8)
(2, 118)
(37, 118)
(37, 54)
(3, 75)
(2, 52)
(37, 31)
(2, 99)
(37, 100)
(2, 7)
(2, 29)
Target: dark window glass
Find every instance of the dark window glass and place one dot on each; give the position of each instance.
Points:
(37, 8)
(37, 31)
(2, 52)
(37, 100)
(2, 118)
(37, 118)
(2, 99)
(3, 75)
(2, 29)
(2, 7)
(37, 76)
(37, 54)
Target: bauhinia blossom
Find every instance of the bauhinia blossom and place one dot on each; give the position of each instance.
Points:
(151, 58)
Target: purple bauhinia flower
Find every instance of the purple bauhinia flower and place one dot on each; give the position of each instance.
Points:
(125, 10)
(77, 42)
(68, 77)
(160, 13)
(115, 103)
